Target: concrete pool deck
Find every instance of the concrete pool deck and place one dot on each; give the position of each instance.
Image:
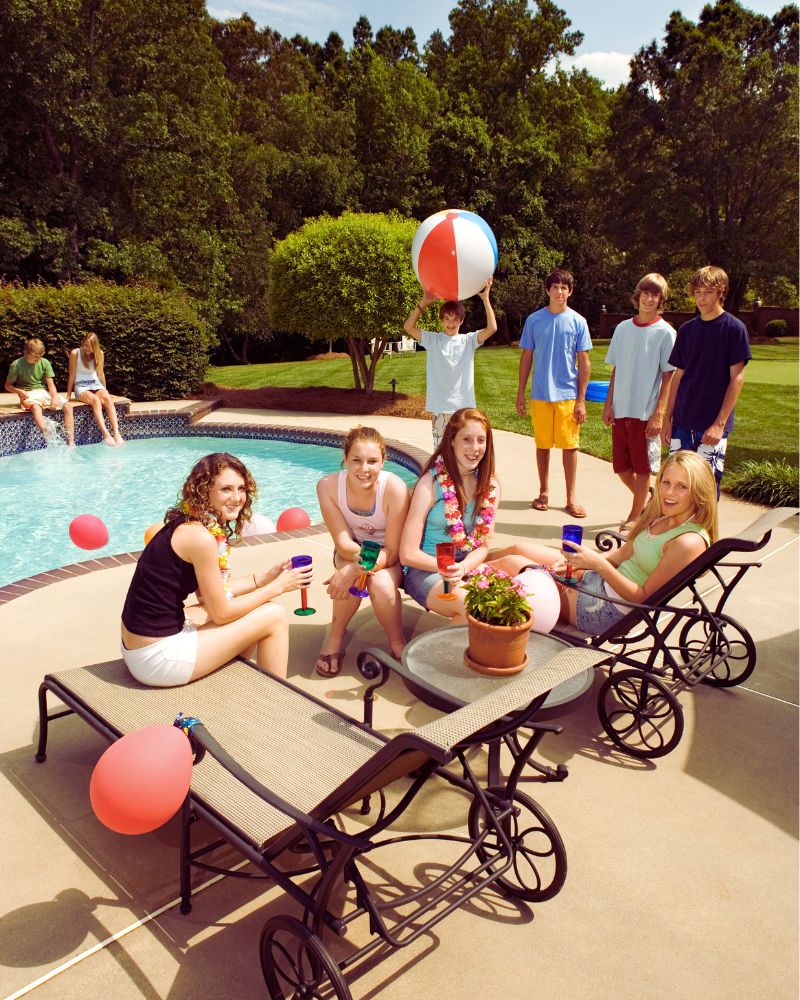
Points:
(682, 872)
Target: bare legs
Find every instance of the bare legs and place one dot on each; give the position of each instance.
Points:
(639, 485)
(569, 458)
(265, 628)
(386, 603)
(98, 401)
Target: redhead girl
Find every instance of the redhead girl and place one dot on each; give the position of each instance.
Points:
(363, 501)
(87, 380)
(677, 525)
(455, 500)
(161, 646)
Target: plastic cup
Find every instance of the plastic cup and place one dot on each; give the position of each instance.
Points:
(367, 557)
(297, 563)
(571, 533)
(445, 557)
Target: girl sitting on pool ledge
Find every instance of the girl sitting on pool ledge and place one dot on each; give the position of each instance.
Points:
(160, 645)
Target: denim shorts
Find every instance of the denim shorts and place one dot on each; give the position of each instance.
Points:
(418, 583)
(594, 613)
(169, 662)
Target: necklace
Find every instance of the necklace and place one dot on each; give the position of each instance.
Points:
(453, 517)
(213, 526)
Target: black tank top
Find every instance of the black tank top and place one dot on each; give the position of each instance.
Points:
(160, 585)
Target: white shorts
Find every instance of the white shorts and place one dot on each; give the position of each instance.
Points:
(169, 662)
(43, 398)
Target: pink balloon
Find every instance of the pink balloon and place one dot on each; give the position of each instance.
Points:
(141, 780)
(293, 517)
(543, 598)
(88, 532)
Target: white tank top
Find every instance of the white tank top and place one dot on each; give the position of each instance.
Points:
(364, 526)
(86, 373)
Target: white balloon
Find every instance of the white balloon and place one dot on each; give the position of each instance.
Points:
(259, 524)
(543, 598)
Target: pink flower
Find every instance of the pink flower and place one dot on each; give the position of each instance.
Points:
(482, 584)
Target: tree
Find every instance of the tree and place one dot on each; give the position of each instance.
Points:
(349, 277)
(703, 159)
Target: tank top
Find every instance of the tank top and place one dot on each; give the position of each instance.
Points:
(648, 550)
(86, 375)
(161, 583)
(370, 525)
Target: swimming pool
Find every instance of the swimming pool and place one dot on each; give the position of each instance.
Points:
(131, 487)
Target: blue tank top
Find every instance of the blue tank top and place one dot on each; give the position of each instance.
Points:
(436, 525)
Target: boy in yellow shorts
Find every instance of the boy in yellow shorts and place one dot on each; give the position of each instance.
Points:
(31, 378)
(556, 343)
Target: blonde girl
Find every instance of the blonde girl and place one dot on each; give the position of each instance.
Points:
(87, 381)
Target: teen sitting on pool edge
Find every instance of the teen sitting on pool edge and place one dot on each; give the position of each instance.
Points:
(363, 502)
(160, 645)
(455, 500)
(677, 525)
(31, 379)
(86, 378)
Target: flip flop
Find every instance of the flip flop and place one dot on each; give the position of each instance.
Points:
(333, 668)
(575, 510)
(540, 503)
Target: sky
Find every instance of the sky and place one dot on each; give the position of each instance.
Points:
(613, 29)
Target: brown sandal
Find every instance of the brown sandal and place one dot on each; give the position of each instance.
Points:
(541, 503)
(328, 659)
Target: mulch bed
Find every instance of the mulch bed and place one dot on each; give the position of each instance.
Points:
(317, 399)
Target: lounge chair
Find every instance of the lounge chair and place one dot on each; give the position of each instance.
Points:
(662, 648)
(276, 768)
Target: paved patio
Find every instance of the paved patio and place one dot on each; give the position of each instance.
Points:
(682, 873)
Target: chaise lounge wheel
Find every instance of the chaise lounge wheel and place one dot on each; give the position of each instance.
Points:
(296, 964)
(640, 714)
(539, 856)
(740, 659)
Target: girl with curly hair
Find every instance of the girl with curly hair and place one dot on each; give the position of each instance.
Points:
(161, 646)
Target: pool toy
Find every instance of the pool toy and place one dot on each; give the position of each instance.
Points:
(453, 253)
(259, 524)
(367, 557)
(88, 532)
(292, 518)
(304, 609)
(597, 392)
(151, 531)
(543, 597)
(141, 780)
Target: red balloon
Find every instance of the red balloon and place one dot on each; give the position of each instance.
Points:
(141, 780)
(293, 517)
(88, 532)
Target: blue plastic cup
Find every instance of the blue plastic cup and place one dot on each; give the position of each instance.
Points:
(571, 533)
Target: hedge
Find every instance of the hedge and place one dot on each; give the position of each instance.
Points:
(156, 345)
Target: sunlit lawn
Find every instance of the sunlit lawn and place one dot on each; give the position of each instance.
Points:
(766, 416)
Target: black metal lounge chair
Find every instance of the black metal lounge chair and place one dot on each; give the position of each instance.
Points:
(662, 648)
(276, 768)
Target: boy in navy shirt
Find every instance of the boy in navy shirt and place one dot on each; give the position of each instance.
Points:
(709, 356)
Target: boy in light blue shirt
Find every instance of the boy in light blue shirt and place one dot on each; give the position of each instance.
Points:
(555, 341)
(449, 358)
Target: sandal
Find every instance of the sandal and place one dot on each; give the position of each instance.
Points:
(333, 663)
(575, 510)
(540, 503)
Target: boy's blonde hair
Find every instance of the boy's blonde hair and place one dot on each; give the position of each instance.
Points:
(652, 282)
(35, 346)
(710, 276)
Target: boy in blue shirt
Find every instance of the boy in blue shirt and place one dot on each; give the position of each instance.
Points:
(555, 341)
(709, 356)
(449, 358)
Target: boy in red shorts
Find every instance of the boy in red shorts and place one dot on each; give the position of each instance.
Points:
(638, 391)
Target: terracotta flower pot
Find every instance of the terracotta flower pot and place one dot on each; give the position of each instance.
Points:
(497, 649)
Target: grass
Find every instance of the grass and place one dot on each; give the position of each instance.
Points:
(766, 417)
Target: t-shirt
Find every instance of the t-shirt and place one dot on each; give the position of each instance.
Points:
(555, 339)
(640, 355)
(449, 374)
(705, 350)
(27, 376)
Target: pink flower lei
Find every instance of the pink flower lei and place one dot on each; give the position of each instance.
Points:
(452, 514)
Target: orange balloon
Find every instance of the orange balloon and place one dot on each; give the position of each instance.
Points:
(141, 780)
(152, 531)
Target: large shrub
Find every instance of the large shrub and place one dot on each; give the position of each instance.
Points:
(156, 345)
(776, 328)
(773, 483)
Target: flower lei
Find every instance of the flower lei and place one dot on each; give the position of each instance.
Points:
(223, 549)
(452, 514)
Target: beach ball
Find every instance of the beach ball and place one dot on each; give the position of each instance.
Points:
(292, 518)
(141, 780)
(454, 253)
(151, 531)
(543, 598)
(88, 532)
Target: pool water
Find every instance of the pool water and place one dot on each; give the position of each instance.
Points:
(130, 488)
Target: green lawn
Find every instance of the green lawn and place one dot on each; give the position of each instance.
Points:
(766, 417)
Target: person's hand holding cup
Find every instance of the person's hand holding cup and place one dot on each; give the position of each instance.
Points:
(570, 533)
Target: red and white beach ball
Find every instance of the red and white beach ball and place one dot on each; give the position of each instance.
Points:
(454, 253)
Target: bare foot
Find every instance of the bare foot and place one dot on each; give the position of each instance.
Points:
(109, 441)
(119, 440)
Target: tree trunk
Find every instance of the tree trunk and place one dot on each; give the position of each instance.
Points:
(352, 350)
(364, 357)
